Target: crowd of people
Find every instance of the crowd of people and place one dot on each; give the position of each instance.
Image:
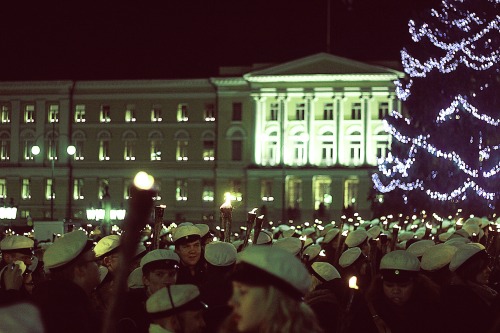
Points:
(374, 276)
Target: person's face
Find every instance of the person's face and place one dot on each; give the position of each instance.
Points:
(112, 262)
(15, 256)
(192, 321)
(483, 277)
(91, 270)
(246, 302)
(159, 278)
(398, 293)
(190, 253)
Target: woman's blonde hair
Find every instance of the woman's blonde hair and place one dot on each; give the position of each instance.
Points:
(282, 314)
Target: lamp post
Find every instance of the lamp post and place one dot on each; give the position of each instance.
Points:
(52, 155)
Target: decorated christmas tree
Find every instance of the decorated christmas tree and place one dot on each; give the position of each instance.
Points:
(445, 153)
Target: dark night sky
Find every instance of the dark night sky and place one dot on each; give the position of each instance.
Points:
(83, 40)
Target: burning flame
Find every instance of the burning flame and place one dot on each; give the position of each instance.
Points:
(352, 282)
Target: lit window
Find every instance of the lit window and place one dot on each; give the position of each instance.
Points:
(182, 150)
(78, 189)
(321, 191)
(155, 150)
(4, 147)
(26, 189)
(49, 189)
(300, 110)
(52, 150)
(156, 114)
(208, 150)
(5, 114)
(383, 110)
(237, 112)
(128, 153)
(209, 112)
(105, 114)
(80, 113)
(103, 150)
(271, 152)
(182, 112)
(327, 148)
(53, 115)
(351, 192)
(328, 111)
(382, 144)
(273, 112)
(266, 190)
(298, 148)
(79, 150)
(103, 188)
(29, 113)
(126, 189)
(208, 191)
(236, 190)
(27, 154)
(293, 191)
(181, 193)
(354, 148)
(3, 188)
(130, 114)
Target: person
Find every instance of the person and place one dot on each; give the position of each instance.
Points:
(64, 299)
(176, 309)
(187, 241)
(268, 286)
(323, 296)
(399, 299)
(469, 290)
(159, 269)
(17, 254)
(220, 259)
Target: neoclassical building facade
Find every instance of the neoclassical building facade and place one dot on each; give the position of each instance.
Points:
(287, 138)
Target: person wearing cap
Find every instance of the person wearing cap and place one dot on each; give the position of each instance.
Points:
(399, 299)
(206, 235)
(268, 286)
(323, 297)
(220, 258)
(176, 309)
(17, 254)
(469, 290)
(64, 299)
(159, 269)
(187, 240)
(353, 262)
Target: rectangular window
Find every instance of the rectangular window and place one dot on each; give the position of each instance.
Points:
(156, 114)
(383, 110)
(208, 150)
(3, 188)
(4, 148)
(237, 112)
(130, 114)
(208, 191)
(5, 114)
(52, 149)
(103, 150)
(78, 189)
(209, 112)
(355, 153)
(103, 188)
(80, 113)
(181, 193)
(293, 192)
(182, 112)
(327, 153)
(300, 109)
(26, 189)
(53, 115)
(382, 149)
(182, 150)
(274, 109)
(155, 151)
(49, 189)
(236, 190)
(129, 151)
(321, 191)
(105, 114)
(27, 154)
(236, 150)
(328, 111)
(29, 113)
(356, 111)
(79, 150)
(266, 190)
(351, 192)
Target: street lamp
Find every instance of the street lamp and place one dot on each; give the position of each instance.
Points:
(52, 155)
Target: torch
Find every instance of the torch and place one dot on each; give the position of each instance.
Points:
(226, 218)
(257, 228)
(251, 216)
(158, 225)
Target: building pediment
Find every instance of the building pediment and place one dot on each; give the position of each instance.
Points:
(320, 67)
